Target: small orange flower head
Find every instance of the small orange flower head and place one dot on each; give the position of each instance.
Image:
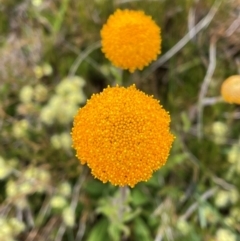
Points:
(130, 39)
(230, 89)
(123, 135)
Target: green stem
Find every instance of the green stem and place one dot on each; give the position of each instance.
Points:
(60, 16)
(123, 197)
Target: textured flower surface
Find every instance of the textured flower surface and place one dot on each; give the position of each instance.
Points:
(130, 39)
(123, 135)
(230, 89)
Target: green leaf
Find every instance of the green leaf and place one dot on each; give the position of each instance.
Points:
(116, 229)
(202, 218)
(95, 188)
(154, 180)
(106, 209)
(131, 215)
(60, 16)
(114, 232)
(141, 230)
(186, 122)
(99, 231)
(139, 198)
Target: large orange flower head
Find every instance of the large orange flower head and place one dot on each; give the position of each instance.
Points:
(130, 39)
(123, 135)
(230, 89)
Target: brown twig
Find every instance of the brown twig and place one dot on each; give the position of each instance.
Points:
(209, 193)
(205, 85)
(180, 44)
(73, 205)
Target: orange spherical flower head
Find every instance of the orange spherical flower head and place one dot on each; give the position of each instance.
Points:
(123, 135)
(130, 39)
(230, 89)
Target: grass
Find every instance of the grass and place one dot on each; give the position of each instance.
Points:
(45, 194)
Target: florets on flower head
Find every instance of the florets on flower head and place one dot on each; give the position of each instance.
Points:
(230, 89)
(123, 135)
(130, 39)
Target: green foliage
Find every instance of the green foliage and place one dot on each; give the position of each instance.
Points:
(141, 230)
(51, 63)
(99, 231)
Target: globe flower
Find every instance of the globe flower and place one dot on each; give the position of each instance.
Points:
(230, 89)
(123, 135)
(130, 39)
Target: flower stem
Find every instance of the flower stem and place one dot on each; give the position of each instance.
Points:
(122, 203)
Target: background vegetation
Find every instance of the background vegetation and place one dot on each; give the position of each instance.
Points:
(51, 62)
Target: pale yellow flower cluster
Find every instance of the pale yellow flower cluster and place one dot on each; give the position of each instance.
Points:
(63, 105)
(38, 93)
(60, 202)
(61, 141)
(5, 168)
(219, 132)
(10, 228)
(233, 157)
(225, 235)
(225, 198)
(32, 180)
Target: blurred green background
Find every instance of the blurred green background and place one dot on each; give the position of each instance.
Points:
(51, 63)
